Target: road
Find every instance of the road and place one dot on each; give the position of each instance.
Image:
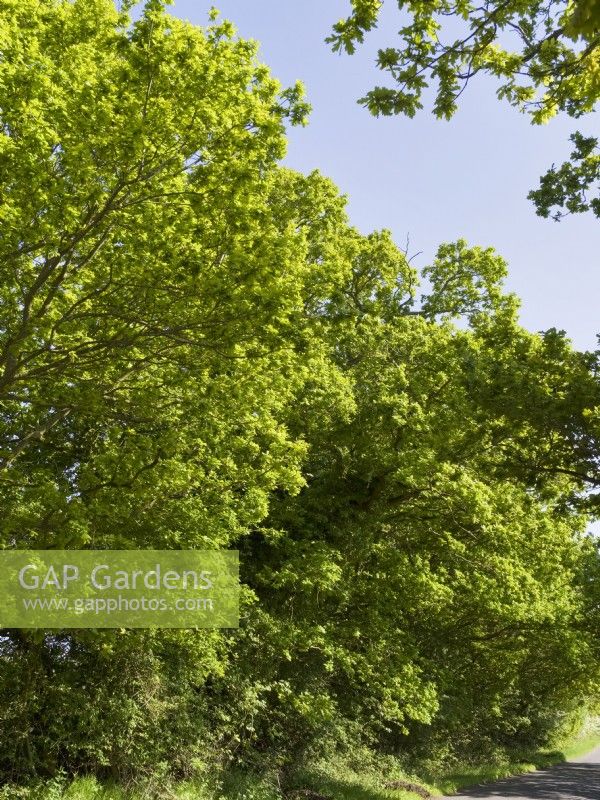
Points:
(578, 779)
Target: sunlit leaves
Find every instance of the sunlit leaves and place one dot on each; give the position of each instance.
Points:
(545, 58)
(574, 186)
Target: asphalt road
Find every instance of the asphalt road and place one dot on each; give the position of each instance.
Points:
(575, 780)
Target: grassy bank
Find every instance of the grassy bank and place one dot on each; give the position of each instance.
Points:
(464, 775)
(383, 778)
(361, 778)
(313, 786)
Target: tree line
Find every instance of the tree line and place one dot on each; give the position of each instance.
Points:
(199, 351)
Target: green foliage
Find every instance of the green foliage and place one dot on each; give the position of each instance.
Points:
(567, 186)
(357, 773)
(198, 351)
(545, 58)
(156, 267)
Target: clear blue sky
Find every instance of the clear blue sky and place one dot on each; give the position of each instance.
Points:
(432, 180)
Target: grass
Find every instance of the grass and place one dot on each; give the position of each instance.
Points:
(581, 746)
(466, 775)
(89, 788)
(340, 781)
(364, 779)
(337, 783)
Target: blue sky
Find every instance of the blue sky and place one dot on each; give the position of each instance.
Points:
(431, 180)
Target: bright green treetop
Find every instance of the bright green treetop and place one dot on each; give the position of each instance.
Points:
(198, 351)
(545, 57)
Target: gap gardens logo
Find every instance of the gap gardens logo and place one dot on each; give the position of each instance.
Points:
(119, 588)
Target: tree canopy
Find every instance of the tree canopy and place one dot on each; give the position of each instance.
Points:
(199, 351)
(545, 58)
